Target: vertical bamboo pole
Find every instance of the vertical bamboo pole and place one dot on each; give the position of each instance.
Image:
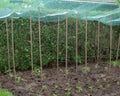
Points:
(8, 44)
(13, 54)
(118, 48)
(86, 40)
(58, 31)
(110, 45)
(31, 44)
(40, 52)
(66, 41)
(76, 42)
(98, 43)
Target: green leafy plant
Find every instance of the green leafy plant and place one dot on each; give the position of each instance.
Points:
(5, 93)
(48, 38)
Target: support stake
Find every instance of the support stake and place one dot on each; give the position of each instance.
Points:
(98, 43)
(58, 33)
(13, 54)
(31, 44)
(8, 45)
(40, 49)
(66, 41)
(118, 48)
(110, 45)
(86, 40)
(76, 42)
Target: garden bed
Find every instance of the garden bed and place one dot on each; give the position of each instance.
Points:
(94, 80)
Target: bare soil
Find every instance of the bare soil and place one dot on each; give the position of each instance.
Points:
(96, 82)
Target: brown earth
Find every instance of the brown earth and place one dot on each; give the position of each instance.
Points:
(91, 81)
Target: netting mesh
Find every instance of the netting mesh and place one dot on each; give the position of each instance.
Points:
(98, 10)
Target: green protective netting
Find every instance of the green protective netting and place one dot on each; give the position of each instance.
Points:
(96, 10)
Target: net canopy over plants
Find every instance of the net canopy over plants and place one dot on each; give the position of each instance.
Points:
(98, 10)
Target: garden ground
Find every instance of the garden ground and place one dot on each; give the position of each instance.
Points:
(94, 80)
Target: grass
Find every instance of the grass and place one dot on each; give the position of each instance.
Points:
(5, 93)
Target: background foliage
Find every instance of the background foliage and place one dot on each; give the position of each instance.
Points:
(49, 42)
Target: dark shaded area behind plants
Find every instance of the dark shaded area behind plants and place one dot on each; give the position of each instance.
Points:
(49, 42)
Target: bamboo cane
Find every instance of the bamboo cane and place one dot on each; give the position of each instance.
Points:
(86, 40)
(58, 44)
(98, 43)
(40, 50)
(66, 41)
(13, 54)
(31, 44)
(118, 48)
(110, 45)
(8, 44)
(76, 42)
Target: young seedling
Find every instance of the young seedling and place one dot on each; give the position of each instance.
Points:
(100, 87)
(19, 79)
(56, 86)
(11, 75)
(106, 69)
(39, 95)
(108, 85)
(86, 70)
(78, 87)
(96, 66)
(90, 88)
(31, 89)
(54, 94)
(66, 72)
(44, 87)
(68, 89)
(36, 72)
(118, 83)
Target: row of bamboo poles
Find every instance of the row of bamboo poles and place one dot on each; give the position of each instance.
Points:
(58, 32)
